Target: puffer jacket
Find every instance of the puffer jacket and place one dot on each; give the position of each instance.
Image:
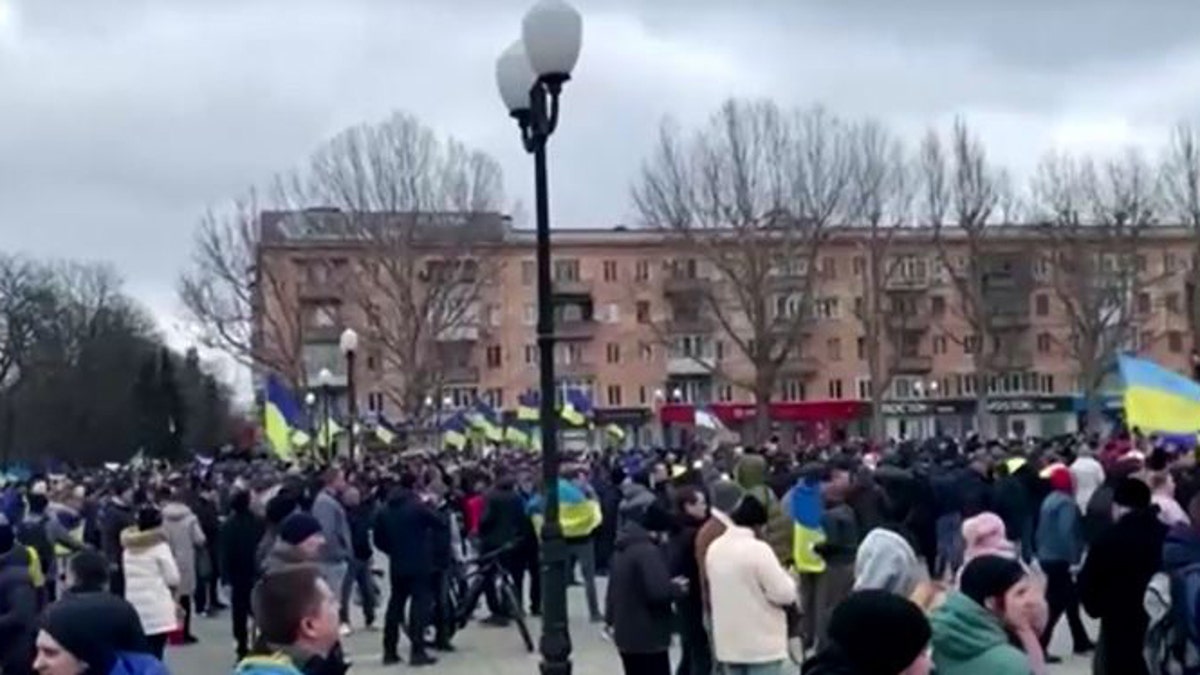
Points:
(18, 612)
(150, 574)
(751, 474)
(184, 534)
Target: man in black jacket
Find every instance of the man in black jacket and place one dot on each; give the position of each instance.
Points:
(18, 605)
(115, 516)
(404, 531)
(359, 515)
(503, 526)
(239, 539)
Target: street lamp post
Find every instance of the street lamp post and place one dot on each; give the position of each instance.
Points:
(310, 404)
(325, 382)
(349, 346)
(530, 75)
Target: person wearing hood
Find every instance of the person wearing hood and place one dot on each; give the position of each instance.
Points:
(184, 536)
(116, 516)
(1059, 549)
(636, 497)
(151, 576)
(976, 628)
(874, 632)
(94, 633)
(18, 604)
(43, 530)
(239, 535)
(751, 473)
(1087, 474)
(691, 510)
(640, 593)
(1114, 577)
(405, 531)
(886, 560)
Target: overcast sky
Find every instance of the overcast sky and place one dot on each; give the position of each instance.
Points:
(122, 120)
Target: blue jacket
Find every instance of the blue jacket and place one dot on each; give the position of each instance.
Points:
(1059, 530)
(131, 663)
(275, 664)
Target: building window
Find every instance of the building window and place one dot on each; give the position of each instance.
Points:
(375, 401)
(860, 265)
(863, 385)
(1170, 263)
(828, 308)
(531, 354)
(645, 351)
(1047, 384)
(1143, 303)
(835, 389)
(1175, 341)
(372, 361)
(1042, 304)
(1172, 303)
(939, 344)
(494, 397)
(612, 313)
(610, 270)
(641, 270)
(725, 392)
(792, 390)
(643, 311)
(529, 316)
(971, 344)
(829, 267)
(1043, 343)
(614, 395)
(566, 270)
(720, 349)
(834, 347)
(528, 272)
(613, 352)
(937, 305)
(861, 348)
(494, 356)
(642, 395)
(860, 306)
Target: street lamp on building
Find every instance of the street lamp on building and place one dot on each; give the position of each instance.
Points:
(325, 384)
(310, 405)
(349, 346)
(530, 75)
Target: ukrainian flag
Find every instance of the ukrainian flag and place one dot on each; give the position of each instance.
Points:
(454, 432)
(576, 407)
(1158, 400)
(281, 414)
(384, 431)
(527, 407)
(516, 437)
(328, 433)
(578, 514)
(807, 533)
(485, 420)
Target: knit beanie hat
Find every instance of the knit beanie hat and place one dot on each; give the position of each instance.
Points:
(149, 518)
(297, 527)
(1131, 493)
(87, 626)
(1060, 479)
(725, 495)
(749, 513)
(880, 633)
(989, 576)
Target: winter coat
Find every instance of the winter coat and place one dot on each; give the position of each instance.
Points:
(360, 518)
(681, 559)
(18, 612)
(150, 574)
(240, 536)
(1088, 475)
(502, 522)
(638, 603)
(404, 532)
(751, 474)
(970, 640)
(332, 515)
(712, 528)
(1112, 586)
(635, 499)
(1060, 530)
(182, 528)
(115, 518)
(886, 561)
(748, 590)
(841, 535)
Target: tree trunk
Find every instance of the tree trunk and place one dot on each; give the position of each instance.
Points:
(763, 386)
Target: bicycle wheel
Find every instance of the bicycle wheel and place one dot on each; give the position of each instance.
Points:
(517, 613)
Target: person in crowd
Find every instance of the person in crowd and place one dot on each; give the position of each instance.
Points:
(748, 592)
(116, 516)
(1059, 550)
(691, 510)
(984, 534)
(640, 593)
(44, 532)
(1015, 502)
(18, 604)
(751, 473)
(726, 495)
(404, 531)
(838, 549)
(1162, 495)
(885, 559)
(579, 516)
(874, 632)
(1114, 577)
(502, 529)
(239, 537)
(208, 559)
(989, 625)
(184, 536)
(1087, 474)
(359, 516)
(328, 510)
(151, 577)
(297, 617)
(636, 496)
(86, 572)
(94, 633)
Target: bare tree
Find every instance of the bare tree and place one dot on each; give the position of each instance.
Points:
(1180, 181)
(423, 214)
(1094, 221)
(753, 196)
(881, 201)
(960, 192)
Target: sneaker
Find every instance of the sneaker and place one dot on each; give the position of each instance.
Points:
(391, 659)
(345, 630)
(421, 659)
(190, 639)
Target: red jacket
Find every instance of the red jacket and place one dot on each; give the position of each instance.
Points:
(472, 512)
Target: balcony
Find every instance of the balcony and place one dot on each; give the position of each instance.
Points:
(574, 369)
(575, 329)
(1017, 359)
(684, 285)
(898, 322)
(460, 374)
(329, 289)
(908, 283)
(1003, 321)
(462, 333)
(691, 325)
(572, 287)
(805, 366)
(692, 366)
(908, 365)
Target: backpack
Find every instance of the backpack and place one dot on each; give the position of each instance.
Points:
(32, 533)
(1171, 645)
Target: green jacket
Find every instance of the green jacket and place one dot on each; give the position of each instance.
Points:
(969, 640)
(751, 473)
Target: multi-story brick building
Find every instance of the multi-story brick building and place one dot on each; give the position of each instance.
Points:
(633, 333)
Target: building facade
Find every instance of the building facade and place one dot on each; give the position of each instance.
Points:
(634, 331)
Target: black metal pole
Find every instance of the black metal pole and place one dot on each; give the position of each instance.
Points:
(353, 403)
(555, 645)
(327, 394)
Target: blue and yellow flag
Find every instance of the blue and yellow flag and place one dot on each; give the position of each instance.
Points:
(576, 407)
(805, 507)
(281, 415)
(485, 420)
(454, 432)
(517, 437)
(384, 431)
(578, 514)
(527, 407)
(615, 432)
(1158, 400)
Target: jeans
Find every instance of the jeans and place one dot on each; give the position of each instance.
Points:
(656, 663)
(358, 572)
(412, 591)
(769, 668)
(950, 545)
(1062, 598)
(584, 552)
(239, 611)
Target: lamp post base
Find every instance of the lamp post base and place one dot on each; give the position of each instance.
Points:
(555, 643)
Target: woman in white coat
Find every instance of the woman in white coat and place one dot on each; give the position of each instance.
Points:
(151, 577)
(184, 535)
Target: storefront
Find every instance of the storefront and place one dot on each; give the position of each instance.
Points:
(635, 422)
(793, 422)
(1025, 416)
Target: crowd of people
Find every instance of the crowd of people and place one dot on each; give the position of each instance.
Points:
(845, 559)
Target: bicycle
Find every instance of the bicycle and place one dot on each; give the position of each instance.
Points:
(467, 586)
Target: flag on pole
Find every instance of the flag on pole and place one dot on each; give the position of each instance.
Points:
(615, 432)
(1157, 399)
(384, 431)
(527, 406)
(576, 407)
(705, 419)
(485, 420)
(516, 436)
(281, 414)
(454, 432)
